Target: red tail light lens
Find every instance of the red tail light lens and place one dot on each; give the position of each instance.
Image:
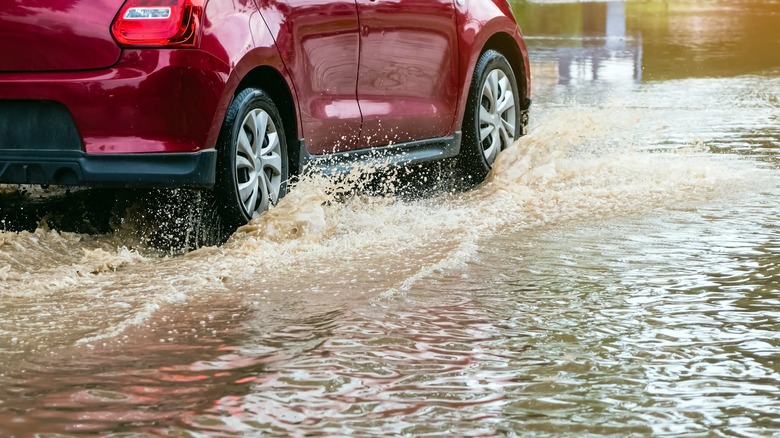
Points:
(159, 23)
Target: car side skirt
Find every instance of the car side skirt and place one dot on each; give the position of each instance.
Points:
(400, 154)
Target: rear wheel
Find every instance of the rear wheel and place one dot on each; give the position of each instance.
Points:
(253, 166)
(492, 119)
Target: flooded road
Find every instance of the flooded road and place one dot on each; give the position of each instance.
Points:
(619, 273)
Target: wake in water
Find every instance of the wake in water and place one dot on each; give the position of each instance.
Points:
(321, 247)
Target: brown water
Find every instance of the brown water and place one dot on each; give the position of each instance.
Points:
(619, 273)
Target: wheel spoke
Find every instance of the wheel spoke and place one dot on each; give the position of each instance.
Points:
(264, 190)
(250, 126)
(244, 163)
(244, 146)
(273, 162)
(485, 116)
(484, 132)
(261, 125)
(495, 144)
(252, 202)
(273, 144)
(273, 184)
(489, 154)
(245, 189)
(505, 135)
(495, 147)
(487, 91)
(503, 83)
(495, 89)
(505, 102)
(271, 175)
(509, 126)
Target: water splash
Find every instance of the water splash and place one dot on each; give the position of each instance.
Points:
(574, 165)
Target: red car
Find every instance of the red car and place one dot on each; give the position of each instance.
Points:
(238, 96)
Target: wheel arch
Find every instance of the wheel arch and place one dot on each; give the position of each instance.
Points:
(503, 43)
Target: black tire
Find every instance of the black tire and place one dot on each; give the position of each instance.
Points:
(233, 208)
(472, 163)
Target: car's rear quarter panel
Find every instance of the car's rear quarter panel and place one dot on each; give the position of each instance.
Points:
(236, 34)
(151, 101)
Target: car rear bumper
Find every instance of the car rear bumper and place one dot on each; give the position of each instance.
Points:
(151, 101)
(151, 120)
(194, 169)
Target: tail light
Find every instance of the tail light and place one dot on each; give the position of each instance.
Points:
(159, 23)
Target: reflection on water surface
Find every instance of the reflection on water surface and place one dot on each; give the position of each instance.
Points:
(656, 40)
(619, 274)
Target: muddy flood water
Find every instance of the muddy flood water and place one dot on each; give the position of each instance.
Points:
(618, 274)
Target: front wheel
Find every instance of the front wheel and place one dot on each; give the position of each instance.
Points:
(492, 119)
(253, 166)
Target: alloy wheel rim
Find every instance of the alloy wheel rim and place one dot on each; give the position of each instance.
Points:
(496, 115)
(258, 163)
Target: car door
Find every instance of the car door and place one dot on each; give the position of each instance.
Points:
(407, 81)
(318, 41)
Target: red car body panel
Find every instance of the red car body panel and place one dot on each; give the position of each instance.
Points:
(235, 34)
(145, 103)
(407, 84)
(361, 73)
(44, 36)
(318, 41)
